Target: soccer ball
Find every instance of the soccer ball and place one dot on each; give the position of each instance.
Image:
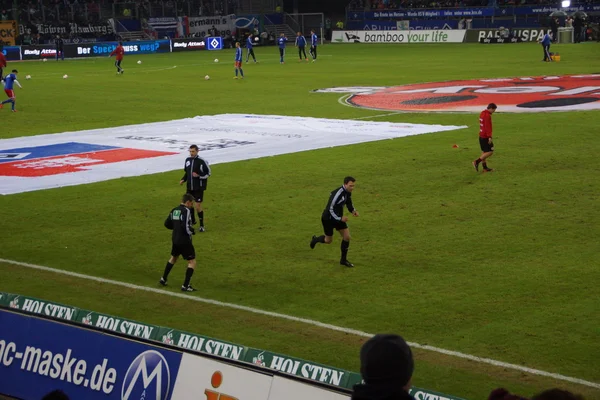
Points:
(207, 77)
(65, 76)
(140, 61)
(45, 59)
(256, 39)
(28, 77)
(216, 60)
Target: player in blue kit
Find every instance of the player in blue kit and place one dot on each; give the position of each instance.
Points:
(238, 61)
(314, 40)
(281, 43)
(250, 49)
(301, 45)
(9, 81)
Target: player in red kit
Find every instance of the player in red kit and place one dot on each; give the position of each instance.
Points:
(118, 52)
(485, 137)
(2, 64)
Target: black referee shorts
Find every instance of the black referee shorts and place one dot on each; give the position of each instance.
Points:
(329, 225)
(198, 195)
(187, 251)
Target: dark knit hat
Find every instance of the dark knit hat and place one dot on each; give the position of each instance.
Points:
(386, 359)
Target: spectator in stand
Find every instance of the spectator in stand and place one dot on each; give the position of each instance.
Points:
(578, 26)
(4, 16)
(56, 395)
(557, 394)
(554, 28)
(569, 22)
(503, 394)
(552, 394)
(386, 366)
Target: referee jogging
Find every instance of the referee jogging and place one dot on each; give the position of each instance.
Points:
(196, 173)
(333, 218)
(180, 222)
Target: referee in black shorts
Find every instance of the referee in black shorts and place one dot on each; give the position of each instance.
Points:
(333, 218)
(196, 176)
(180, 222)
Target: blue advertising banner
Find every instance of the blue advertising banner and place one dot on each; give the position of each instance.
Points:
(38, 356)
(464, 12)
(105, 48)
(247, 21)
(12, 53)
(550, 9)
(95, 49)
(430, 13)
(415, 24)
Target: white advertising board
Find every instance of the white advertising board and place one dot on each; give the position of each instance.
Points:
(402, 37)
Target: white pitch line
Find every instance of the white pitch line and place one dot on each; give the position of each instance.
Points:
(457, 354)
(343, 101)
(377, 116)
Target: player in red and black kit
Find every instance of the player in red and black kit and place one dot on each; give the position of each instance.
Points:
(485, 137)
(2, 64)
(119, 51)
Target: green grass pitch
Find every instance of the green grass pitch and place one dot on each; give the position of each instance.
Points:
(501, 265)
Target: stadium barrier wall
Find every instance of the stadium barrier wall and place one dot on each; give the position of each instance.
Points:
(402, 37)
(103, 49)
(301, 375)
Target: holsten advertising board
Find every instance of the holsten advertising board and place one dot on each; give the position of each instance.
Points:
(431, 36)
(151, 370)
(39, 355)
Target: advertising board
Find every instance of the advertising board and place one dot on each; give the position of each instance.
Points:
(38, 356)
(402, 37)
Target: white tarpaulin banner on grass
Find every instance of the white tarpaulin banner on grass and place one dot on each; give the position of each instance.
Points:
(75, 158)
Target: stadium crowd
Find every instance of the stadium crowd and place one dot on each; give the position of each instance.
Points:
(91, 11)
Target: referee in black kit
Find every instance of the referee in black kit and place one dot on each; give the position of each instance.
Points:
(196, 176)
(59, 48)
(333, 218)
(180, 222)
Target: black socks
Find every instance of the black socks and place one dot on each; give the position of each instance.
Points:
(168, 268)
(188, 276)
(344, 247)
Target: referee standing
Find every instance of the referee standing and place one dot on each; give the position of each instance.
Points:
(59, 48)
(333, 218)
(196, 176)
(180, 222)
